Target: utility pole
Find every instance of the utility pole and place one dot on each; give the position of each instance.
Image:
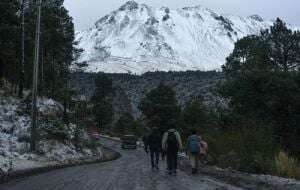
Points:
(21, 78)
(42, 72)
(35, 79)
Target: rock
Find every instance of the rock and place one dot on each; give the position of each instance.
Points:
(130, 5)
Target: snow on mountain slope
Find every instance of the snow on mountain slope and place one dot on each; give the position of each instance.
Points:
(138, 38)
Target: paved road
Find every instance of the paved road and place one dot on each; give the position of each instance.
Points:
(131, 172)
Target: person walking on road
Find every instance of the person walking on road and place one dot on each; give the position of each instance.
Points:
(153, 143)
(203, 151)
(171, 144)
(193, 148)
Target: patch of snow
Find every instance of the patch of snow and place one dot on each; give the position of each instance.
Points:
(15, 133)
(47, 106)
(276, 180)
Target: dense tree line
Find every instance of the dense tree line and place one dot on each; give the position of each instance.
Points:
(57, 50)
(262, 81)
(9, 42)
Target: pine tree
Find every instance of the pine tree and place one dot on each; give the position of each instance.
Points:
(9, 44)
(160, 107)
(57, 49)
(102, 101)
(125, 124)
(285, 47)
(195, 115)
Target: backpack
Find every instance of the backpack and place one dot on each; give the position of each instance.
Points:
(172, 142)
(194, 144)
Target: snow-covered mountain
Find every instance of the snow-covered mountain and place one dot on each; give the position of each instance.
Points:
(138, 38)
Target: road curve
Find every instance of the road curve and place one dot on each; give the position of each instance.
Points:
(131, 172)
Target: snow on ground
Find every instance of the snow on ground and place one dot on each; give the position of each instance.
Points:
(276, 180)
(15, 133)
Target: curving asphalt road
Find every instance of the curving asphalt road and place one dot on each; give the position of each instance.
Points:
(131, 172)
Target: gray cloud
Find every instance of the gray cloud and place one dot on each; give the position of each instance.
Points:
(86, 12)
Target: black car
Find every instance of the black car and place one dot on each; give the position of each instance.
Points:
(129, 142)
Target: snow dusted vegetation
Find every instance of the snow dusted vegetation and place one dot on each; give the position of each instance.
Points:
(15, 125)
(138, 38)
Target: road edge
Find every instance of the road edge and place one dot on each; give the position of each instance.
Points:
(108, 155)
(239, 179)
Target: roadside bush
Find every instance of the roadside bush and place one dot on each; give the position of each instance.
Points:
(55, 130)
(287, 166)
(90, 143)
(241, 143)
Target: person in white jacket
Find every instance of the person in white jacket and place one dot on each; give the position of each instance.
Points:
(171, 144)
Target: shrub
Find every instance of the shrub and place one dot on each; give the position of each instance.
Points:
(287, 166)
(56, 130)
(90, 143)
(242, 144)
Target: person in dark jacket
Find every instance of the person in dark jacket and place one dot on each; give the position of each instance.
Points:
(153, 143)
(171, 144)
(193, 149)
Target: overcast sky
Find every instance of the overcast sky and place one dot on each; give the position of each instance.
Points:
(86, 12)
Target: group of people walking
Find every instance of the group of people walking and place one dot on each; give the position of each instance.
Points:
(169, 144)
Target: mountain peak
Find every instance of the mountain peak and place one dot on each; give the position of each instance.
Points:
(137, 38)
(129, 5)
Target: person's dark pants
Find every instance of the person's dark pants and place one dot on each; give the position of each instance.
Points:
(163, 155)
(154, 158)
(172, 162)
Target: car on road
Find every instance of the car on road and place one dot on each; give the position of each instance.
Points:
(129, 142)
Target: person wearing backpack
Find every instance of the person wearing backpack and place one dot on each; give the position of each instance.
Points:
(153, 143)
(171, 144)
(203, 151)
(193, 149)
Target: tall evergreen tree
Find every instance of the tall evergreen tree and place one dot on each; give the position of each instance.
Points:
(102, 100)
(160, 107)
(125, 124)
(195, 115)
(285, 46)
(9, 44)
